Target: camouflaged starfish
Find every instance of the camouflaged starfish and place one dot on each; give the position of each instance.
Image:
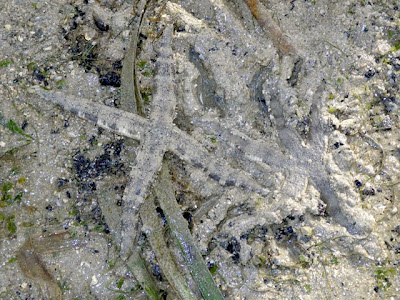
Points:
(157, 135)
(301, 161)
(297, 160)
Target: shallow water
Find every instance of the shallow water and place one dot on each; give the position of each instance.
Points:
(291, 244)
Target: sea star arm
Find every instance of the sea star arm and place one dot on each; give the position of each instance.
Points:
(121, 122)
(152, 150)
(142, 175)
(253, 150)
(164, 98)
(188, 149)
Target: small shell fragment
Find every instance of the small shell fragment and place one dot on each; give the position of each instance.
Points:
(94, 280)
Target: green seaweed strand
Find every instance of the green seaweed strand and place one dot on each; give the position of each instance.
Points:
(137, 266)
(179, 229)
(154, 232)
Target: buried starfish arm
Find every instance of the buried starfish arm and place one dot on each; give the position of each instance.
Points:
(342, 207)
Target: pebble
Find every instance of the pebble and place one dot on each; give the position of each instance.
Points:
(90, 34)
(125, 33)
(94, 280)
(306, 230)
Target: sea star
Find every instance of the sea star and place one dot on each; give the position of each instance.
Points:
(157, 136)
